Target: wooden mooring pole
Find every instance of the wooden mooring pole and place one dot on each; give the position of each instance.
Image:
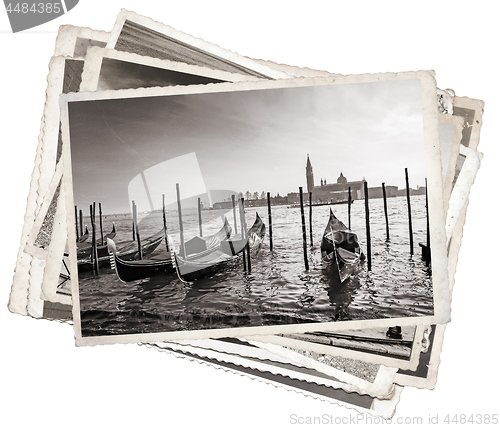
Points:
(310, 220)
(368, 235)
(133, 222)
(270, 221)
(428, 254)
(81, 223)
(76, 222)
(245, 228)
(136, 227)
(165, 223)
(95, 258)
(410, 226)
(243, 232)
(100, 224)
(349, 203)
(304, 233)
(181, 226)
(385, 212)
(234, 214)
(199, 217)
(91, 242)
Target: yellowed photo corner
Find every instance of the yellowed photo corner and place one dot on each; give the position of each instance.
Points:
(166, 35)
(473, 121)
(95, 56)
(433, 162)
(69, 38)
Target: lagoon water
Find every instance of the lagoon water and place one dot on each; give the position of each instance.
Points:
(279, 290)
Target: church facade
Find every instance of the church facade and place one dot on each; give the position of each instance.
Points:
(333, 192)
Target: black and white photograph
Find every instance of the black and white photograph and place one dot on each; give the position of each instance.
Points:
(172, 252)
(285, 248)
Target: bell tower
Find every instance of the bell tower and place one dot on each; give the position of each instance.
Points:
(309, 176)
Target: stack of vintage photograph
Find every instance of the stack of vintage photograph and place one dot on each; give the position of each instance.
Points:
(289, 224)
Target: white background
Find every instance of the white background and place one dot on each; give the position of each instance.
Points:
(46, 381)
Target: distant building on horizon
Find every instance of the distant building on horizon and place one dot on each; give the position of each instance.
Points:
(332, 192)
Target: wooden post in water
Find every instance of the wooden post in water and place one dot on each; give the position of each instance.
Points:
(133, 223)
(76, 222)
(199, 217)
(245, 228)
(310, 219)
(81, 223)
(181, 226)
(270, 221)
(349, 202)
(136, 228)
(368, 235)
(409, 210)
(234, 214)
(385, 212)
(304, 233)
(95, 259)
(165, 223)
(243, 232)
(100, 224)
(428, 255)
(91, 242)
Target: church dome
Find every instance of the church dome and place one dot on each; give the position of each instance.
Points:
(341, 179)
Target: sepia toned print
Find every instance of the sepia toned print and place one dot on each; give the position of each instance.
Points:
(119, 200)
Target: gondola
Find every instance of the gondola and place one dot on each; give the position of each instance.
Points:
(84, 237)
(340, 250)
(128, 251)
(161, 264)
(84, 249)
(207, 262)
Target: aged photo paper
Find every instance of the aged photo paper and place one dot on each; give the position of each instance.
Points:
(107, 69)
(143, 36)
(378, 383)
(71, 41)
(432, 164)
(360, 402)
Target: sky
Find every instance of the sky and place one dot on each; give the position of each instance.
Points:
(254, 140)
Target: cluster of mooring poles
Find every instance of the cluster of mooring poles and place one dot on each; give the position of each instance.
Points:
(81, 236)
(247, 263)
(426, 253)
